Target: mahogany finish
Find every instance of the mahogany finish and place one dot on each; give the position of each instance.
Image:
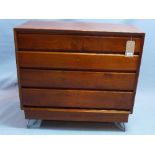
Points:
(77, 61)
(84, 98)
(77, 71)
(77, 114)
(74, 43)
(77, 79)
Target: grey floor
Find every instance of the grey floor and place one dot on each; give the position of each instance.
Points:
(12, 121)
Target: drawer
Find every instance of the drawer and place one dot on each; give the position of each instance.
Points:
(74, 43)
(77, 61)
(76, 98)
(76, 114)
(77, 79)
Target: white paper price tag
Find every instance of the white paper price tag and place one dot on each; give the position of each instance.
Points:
(130, 48)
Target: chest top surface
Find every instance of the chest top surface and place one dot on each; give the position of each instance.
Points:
(80, 27)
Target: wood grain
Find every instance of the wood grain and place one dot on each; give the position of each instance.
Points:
(76, 98)
(74, 42)
(76, 114)
(77, 79)
(77, 61)
(77, 71)
(82, 27)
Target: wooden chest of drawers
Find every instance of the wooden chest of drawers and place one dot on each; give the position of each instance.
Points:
(77, 71)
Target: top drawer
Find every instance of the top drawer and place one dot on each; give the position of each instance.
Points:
(75, 43)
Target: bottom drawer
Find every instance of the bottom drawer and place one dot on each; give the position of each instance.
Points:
(76, 114)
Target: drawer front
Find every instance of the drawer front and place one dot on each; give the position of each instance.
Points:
(76, 98)
(77, 79)
(77, 61)
(76, 114)
(74, 43)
